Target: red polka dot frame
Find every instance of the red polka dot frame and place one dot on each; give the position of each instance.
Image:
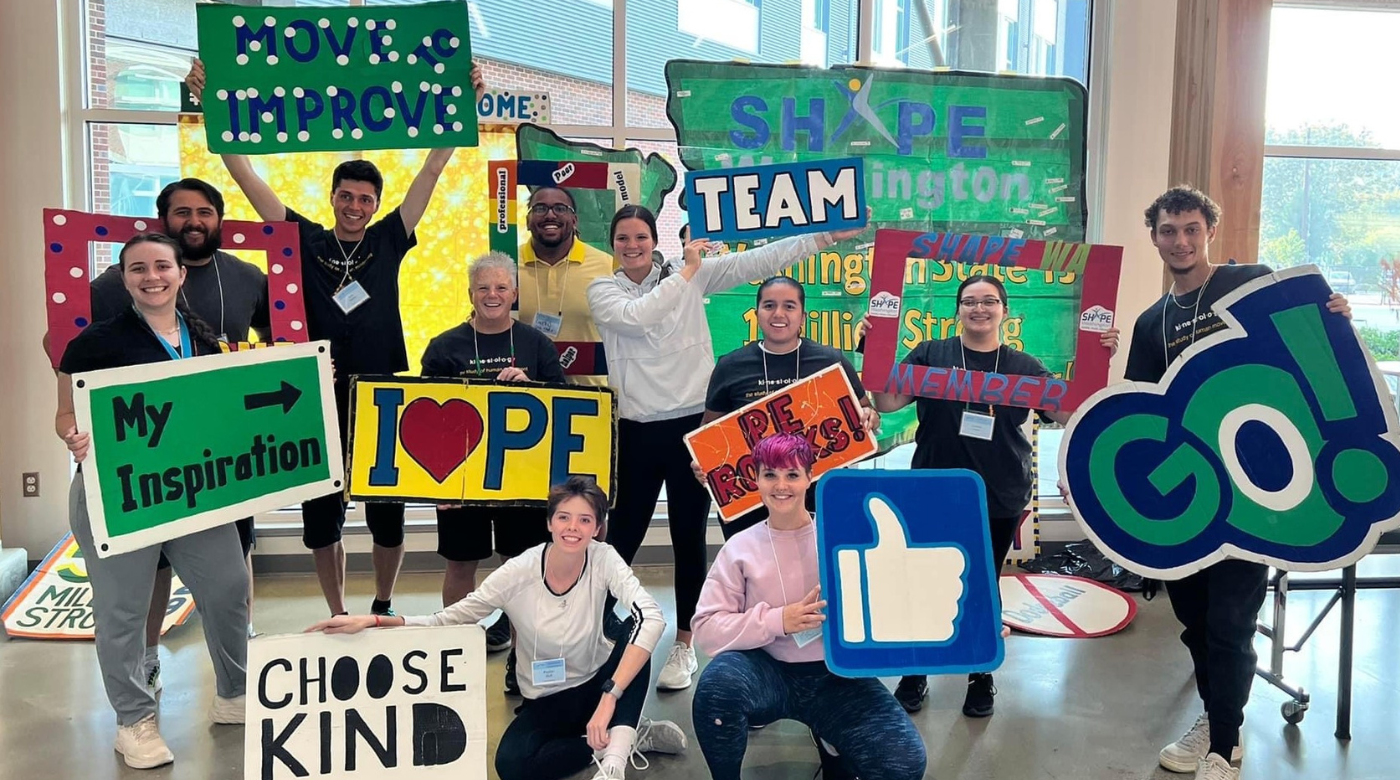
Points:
(68, 233)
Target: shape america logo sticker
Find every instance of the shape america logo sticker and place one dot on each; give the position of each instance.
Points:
(1274, 440)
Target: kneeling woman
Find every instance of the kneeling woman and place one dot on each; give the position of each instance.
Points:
(760, 619)
(583, 695)
(152, 330)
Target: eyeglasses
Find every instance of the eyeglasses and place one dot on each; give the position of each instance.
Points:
(559, 209)
(985, 303)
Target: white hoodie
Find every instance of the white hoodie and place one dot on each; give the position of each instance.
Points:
(655, 333)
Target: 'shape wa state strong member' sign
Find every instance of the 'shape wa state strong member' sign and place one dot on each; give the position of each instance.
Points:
(771, 201)
(822, 407)
(386, 703)
(478, 442)
(337, 79)
(186, 445)
(1091, 269)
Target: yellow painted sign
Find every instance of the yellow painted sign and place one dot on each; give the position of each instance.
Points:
(476, 442)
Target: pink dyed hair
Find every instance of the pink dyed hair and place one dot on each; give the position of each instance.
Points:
(784, 451)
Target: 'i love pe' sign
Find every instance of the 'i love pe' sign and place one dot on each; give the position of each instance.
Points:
(336, 79)
(772, 201)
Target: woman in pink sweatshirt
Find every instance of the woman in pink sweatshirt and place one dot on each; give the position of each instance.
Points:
(760, 620)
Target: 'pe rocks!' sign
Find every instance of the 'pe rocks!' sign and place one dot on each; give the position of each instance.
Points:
(337, 79)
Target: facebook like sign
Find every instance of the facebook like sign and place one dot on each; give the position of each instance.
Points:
(773, 201)
(908, 580)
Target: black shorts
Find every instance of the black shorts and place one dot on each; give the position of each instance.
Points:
(464, 533)
(245, 538)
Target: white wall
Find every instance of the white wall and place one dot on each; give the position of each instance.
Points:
(1138, 43)
(31, 159)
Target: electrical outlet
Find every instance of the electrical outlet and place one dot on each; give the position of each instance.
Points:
(31, 484)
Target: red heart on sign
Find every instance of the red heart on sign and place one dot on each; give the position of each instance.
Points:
(439, 437)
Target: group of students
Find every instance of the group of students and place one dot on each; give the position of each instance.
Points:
(755, 612)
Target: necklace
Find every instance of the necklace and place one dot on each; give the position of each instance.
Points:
(1195, 315)
(762, 350)
(996, 369)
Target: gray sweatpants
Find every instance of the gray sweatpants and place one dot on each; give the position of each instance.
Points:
(209, 562)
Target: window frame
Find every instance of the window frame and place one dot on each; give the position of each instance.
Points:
(78, 169)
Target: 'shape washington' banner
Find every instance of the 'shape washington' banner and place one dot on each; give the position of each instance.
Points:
(185, 445)
(1272, 440)
(56, 601)
(68, 233)
(386, 703)
(337, 79)
(908, 578)
(773, 201)
(956, 152)
(1075, 295)
(477, 442)
(823, 407)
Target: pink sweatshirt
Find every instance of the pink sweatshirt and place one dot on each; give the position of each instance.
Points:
(757, 573)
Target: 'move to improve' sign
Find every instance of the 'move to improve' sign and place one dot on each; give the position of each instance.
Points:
(336, 79)
(186, 445)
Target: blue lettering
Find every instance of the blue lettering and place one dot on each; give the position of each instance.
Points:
(961, 386)
(901, 380)
(1013, 250)
(994, 388)
(971, 247)
(342, 48)
(413, 116)
(565, 442)
(738, 111)
(814, 123)
(959, 129)
(1055, 389)
(915, 119)
(499, 438)
(267, 104)
(368, 115)
(309, 106)
(313, 38)
(265, 35)
(343, 109)
(385, 472)
(925, 244)
(1021, 393)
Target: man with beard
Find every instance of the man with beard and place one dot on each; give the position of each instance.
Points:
(227, 293)
(556, 268)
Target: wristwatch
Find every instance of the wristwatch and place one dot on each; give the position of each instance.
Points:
(610, 686)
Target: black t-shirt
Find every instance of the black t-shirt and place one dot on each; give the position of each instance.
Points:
(368, 340)
(1004, 461)
(1157, 343)
(739, 378)
(227, 293)
(124, 340)
(454, 353)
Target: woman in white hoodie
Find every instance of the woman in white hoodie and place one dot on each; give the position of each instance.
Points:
(652, 320)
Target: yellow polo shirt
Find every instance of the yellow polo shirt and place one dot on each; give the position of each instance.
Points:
(562, 289)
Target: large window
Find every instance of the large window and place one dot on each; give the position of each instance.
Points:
(1331, 194)
(138, 51)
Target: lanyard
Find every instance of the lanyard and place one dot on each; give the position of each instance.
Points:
(476, 345)
(774, 547)
(563, 284)
(345, 277)
(996, 368)
(797, 368)
(185, 347)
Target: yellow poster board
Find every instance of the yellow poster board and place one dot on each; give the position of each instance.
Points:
(477, 442)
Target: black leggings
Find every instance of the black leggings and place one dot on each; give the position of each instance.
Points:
(546, 740)
(649, 454)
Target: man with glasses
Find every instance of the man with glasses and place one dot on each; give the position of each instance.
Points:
(556, 268)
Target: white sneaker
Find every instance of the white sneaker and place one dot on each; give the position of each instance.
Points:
(229, 711)
(153, 683)
(140, 744)
(1184, 755)
(609, 770)
(659, 736)
(680, 666)
(1215, 767)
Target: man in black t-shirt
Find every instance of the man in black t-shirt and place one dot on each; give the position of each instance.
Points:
(1219, 605)
(350, 276)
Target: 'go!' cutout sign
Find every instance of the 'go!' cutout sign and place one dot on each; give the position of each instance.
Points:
(1273, 440)
(66, 278)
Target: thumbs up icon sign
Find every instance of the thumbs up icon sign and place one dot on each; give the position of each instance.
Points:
(879, 583)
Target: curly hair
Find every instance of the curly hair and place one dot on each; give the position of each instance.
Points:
(1180, 199)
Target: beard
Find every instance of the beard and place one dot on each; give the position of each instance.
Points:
(564, 235)
(203, 250)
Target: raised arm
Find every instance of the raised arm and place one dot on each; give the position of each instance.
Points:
(420, 192)
(614, 309)
(726, 272)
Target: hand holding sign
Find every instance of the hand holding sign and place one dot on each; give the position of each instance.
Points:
(877, 581)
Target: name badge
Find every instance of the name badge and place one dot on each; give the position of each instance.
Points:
(350, 297)
(976, 425)
(549, 672)
(804, 638)
(548, 324)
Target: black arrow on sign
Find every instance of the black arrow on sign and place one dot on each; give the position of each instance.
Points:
(286, 397)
